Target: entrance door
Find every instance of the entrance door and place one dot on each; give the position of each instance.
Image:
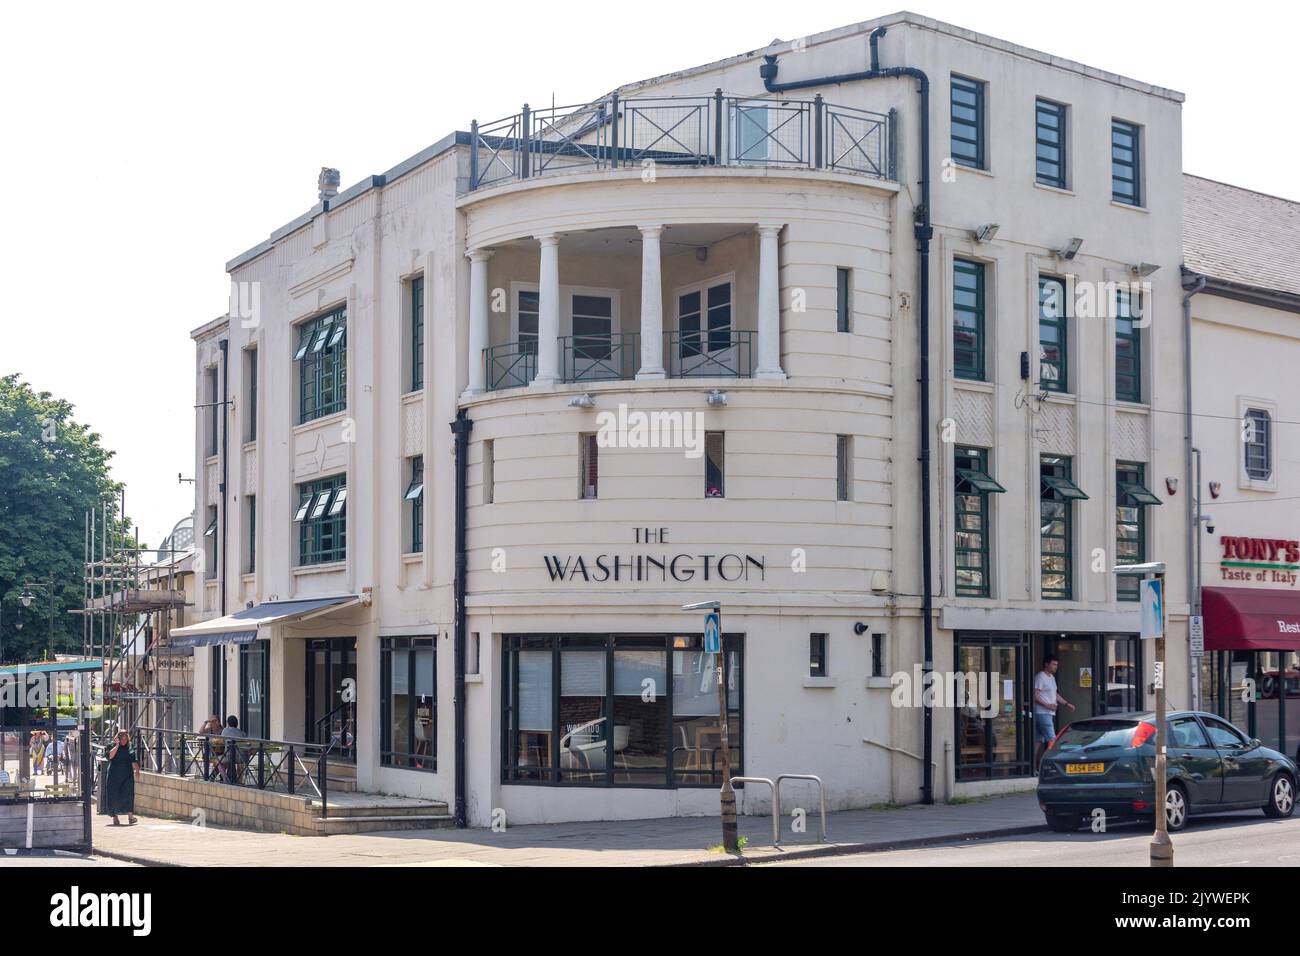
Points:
(993, 735)
(331, 695)
(1076, 678)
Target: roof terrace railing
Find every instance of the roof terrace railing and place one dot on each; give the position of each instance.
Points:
(716, 130)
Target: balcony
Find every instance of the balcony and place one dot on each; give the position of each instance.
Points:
(717, 130)
(609, 357)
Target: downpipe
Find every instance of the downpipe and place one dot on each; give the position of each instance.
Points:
(460, 429)
(923, 230)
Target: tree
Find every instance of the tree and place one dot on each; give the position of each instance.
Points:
(52, 471)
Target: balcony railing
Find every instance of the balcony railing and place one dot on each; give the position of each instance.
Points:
(712, 130)
(711, 353)
(511, 365)
(599, 358)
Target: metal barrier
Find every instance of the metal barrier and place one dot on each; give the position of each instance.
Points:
(821, 794)
(776, 816)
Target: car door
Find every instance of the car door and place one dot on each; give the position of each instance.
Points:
(1196, 760)
(1243, 766)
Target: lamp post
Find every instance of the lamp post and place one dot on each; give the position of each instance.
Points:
(727, 796)
(26, 598)
(1153, 626)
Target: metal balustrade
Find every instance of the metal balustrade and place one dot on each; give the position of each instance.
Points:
(709, 353)
(714, 130)
(599, 358)
(510, 365)
(284, 766)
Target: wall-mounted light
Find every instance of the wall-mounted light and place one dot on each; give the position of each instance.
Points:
(716, 396)
(985, 233)
(1071, 250)
(1171, 485)
(582, 401)
(702, 253)
(1216, 489)
(1143, 269)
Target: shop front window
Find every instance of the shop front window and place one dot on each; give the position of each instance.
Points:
(601, 710)
(409, 720)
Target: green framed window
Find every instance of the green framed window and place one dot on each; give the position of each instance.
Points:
(252, 535)
(968, 319)
(414, 499)
(972, 486)
(1126, 163)
(408, 669)
(322, 521)
(417, 333)
(1128, 345)
(322, 365)
(1058, 492)
(1049, 143)
(1053, 335)
(1132, 498)
(1257, 445)
(967, 114)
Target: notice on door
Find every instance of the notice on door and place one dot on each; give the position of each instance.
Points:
(1085, 676)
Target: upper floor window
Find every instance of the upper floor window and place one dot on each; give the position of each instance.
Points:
(528, 306)
(1126, 163)
(968, 319)
(1049, 144)
(1058, 492)
(843, 467)
(210, 554)
(417, 333)
(968, 122)
(1128, 345)
(414, 499)
(1053, 336)
(322, 365)
(704, 324)
(972, 485)
(250, 547)
(844, 300)
(322, 520)
(250, 386)
(1257, 444)
(589, 465)
(715, 464)
(489, 471)
(212, 420)
(1132, 498)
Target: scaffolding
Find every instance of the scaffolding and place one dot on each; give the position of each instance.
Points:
(128, 608)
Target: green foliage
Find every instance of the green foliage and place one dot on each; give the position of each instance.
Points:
(52, 470)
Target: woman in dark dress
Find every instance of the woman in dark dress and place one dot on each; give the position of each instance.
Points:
(119, 781)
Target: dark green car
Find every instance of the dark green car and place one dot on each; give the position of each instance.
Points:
(1107, 764)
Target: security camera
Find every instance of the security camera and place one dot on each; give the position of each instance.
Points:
(859, 628)
(1209, 524)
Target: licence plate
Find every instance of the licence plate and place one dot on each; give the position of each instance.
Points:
(1085, 768)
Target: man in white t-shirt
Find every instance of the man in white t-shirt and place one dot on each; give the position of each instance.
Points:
(1046, 700)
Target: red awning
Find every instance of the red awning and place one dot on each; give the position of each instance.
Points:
(1250, 619)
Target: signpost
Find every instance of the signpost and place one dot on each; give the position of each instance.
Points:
(1153, 628)
(713, 645)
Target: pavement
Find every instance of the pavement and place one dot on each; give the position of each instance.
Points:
(676, 841)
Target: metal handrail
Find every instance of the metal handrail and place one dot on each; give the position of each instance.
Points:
(776, 817)
(700, 130)
(695, 353)
(259, 763)
(821, 793)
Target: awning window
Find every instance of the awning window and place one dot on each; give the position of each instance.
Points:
(340, 499)
(338, 334)
(212, 529)
(415, 490)
(320, 339)
(1133, 494)
(322, 500)
(302, 508)
(971, 479)
(1056, 488)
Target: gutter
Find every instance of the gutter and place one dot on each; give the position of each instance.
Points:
(924, 232)
(460, 428)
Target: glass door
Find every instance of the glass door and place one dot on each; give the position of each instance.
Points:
(993, 733)
(254, 688)
(331, 695)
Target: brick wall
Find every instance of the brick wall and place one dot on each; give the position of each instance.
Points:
(159, 795)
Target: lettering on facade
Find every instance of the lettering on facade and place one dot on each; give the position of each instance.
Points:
(664, 567)
(1260, 560)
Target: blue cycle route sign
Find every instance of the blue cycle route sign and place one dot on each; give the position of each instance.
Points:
(712, 634)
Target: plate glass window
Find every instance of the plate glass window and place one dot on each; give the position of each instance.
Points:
(1126, 163)
(409, 718)
(1049, 144)
(968, 319)
(968, 122)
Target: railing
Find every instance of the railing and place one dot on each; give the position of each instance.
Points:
(511, 365)
(337, 728)
(711, 130)
(709, 353)
(600, 358)
(277, 765)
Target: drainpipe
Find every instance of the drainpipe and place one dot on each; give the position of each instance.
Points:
(224, 345)
(1192, 285)
(923, 231)
(460, 428)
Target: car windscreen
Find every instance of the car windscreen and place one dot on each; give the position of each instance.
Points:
(1096, 734)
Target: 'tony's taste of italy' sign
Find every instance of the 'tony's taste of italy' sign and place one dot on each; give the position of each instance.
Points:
(1261, 560)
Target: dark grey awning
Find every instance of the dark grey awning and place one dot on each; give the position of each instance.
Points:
(242, 626)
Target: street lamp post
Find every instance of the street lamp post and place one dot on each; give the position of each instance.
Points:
(1153, 625)
(26, 599)
(727, 796)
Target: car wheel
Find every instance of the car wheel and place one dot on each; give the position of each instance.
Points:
(1062, 822)
(1281, 797)
(1176, 808)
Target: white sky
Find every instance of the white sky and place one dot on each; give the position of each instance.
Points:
(145, 144)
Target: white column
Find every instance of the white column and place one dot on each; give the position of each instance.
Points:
(652, 305)
(478, 321)
(548, 308)
(769, 304)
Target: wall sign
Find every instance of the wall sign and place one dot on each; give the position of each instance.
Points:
(664, 567)
(1260, 560)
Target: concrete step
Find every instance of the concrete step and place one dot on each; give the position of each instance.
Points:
(368, 824)
(378, 809)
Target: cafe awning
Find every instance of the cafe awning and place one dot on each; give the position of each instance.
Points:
(1251, 619)
(242, 627)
